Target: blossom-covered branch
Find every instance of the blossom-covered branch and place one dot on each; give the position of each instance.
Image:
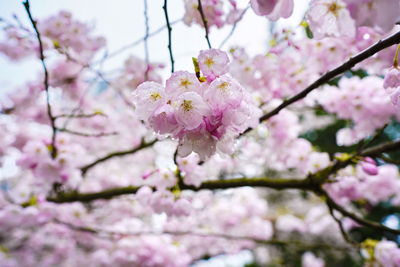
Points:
(367, 53)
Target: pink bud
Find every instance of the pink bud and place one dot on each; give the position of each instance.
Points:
(369, 167)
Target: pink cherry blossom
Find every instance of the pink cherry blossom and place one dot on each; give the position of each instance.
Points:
(330, 18)
(274, 9)
(213, 63)
(147, 98)
(190, 110)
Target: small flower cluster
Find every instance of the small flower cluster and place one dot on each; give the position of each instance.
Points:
(357, 99)
(340, 18)
(392, 85)
(62, 169)
(205, 113)
(215, 11)
(273, 10)
(17, 45)
(65, 32)
(358, 183)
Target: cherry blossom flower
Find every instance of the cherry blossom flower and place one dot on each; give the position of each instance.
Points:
(330, 18)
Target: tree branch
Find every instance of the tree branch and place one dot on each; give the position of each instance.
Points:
(171, 56)
(279, 184)
(138, 41)
(205, 23)
(367, 53)
(312, 182)
(233, 28)
(65, 130)
(380, 227)
(379, 149)
(143, 145)
(53, 150)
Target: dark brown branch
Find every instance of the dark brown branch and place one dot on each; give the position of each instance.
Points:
(143, 145)
(379, 149)
(53, 150)
(346, 237)
(377, 226)
(212, 185)
(367, 53)
(169, 28)
(205, 22)
(312, 182)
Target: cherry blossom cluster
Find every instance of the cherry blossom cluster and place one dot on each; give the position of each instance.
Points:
(339, 18)
(392, 85)
(273, 10)
(148, 246)
(357, 184)
(65, 33)
(136, 72)
(17, 44)
(62, 169)
(356, 99)
(204, 116)
(385, 253)
(217, 12)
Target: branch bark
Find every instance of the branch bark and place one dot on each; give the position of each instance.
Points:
(205, 22)
(169, 28)
(52, 119)
(143, 145)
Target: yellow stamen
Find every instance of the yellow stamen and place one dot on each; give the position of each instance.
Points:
(185, 83)
(223, 86)
(209, 62)
(155, 96)
(187, 105)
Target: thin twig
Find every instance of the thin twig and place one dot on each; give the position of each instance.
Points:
(143, 145)
(346, 237)
(171, 56)
(230, 34)
(53, 150)
(137, 42)
(389, 160)
(378, 133)
(374, 225)
(78, 116)
(205, 22)
(146, 43)
(86, 134)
